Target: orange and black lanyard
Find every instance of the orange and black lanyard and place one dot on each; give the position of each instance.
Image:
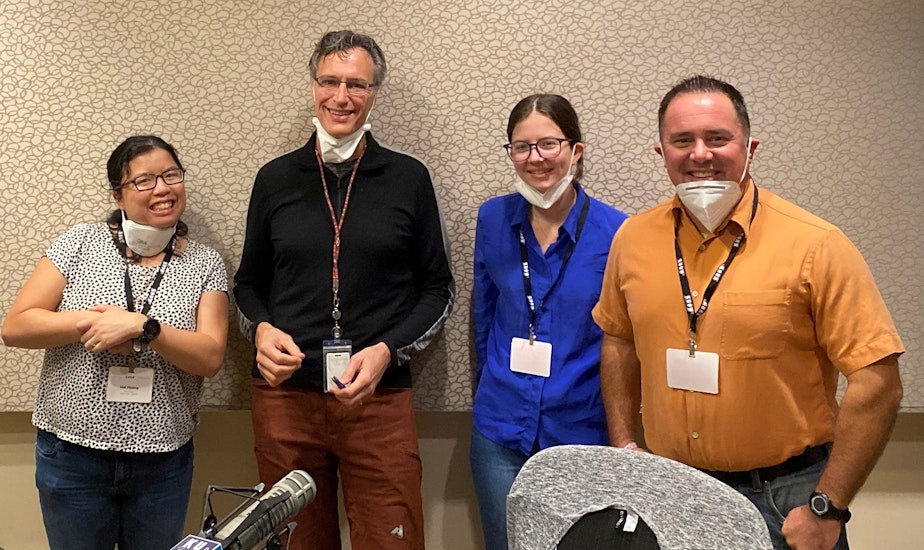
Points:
(337, 332)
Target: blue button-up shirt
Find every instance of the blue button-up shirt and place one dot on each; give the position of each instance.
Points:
(523, 411)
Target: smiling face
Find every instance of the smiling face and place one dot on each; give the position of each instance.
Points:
(159, 207)
(702, 139)
(342, 114)
(538, 172)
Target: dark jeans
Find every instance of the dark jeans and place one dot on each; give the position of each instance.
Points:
(93, 499)
(779, 497)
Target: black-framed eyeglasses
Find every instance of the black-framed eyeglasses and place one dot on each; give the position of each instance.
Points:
(146, 182)
(354, 86)
(547, 148)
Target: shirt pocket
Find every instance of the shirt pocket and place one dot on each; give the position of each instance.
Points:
(756, 324)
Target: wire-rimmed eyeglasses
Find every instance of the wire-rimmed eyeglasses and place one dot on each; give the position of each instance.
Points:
(146, 182)
(547, 148)
(354, 86)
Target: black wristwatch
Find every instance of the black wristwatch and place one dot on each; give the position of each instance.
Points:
(821, 506)
(149, 330)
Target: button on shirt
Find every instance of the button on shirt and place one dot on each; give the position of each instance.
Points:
(523, 411)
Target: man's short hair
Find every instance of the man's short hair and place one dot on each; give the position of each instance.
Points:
(700, 83)
(340, 42)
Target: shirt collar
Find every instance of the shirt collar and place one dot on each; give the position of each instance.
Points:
(520, 215)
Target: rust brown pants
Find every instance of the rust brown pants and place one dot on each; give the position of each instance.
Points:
(373, 447)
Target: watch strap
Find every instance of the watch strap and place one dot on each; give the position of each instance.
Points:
(820, 504)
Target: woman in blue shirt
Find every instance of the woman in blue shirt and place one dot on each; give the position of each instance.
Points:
(539, 260)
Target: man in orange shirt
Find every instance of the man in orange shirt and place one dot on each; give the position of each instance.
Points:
(728, 314)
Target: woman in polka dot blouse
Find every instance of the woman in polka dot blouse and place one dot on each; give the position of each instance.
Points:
(132, 315)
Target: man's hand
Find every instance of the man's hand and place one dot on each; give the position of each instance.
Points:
(277, 355)
(633, 446)
(806, 531)
(363, 374)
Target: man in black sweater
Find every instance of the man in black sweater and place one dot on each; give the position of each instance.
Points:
(343, 275)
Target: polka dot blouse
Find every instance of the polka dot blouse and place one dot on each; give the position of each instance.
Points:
(71, 398)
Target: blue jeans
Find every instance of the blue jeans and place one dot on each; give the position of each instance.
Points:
(779, 497)
(494, 467)
(93, 499)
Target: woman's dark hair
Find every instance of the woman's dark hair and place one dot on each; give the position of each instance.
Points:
(121, 157)
(559, 110)
(117, 168)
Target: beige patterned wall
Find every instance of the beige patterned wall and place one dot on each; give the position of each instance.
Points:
(834, 88)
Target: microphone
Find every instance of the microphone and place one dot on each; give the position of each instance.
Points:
(285, 499)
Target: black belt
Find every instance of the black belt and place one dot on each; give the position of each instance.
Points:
(758, 476)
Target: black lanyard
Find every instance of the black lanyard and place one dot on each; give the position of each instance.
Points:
(527, 285)
(155, 284)
(692, 315)
(338, 224)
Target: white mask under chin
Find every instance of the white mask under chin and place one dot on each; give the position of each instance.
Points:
(709, 202)
(146, 240)
(338, 149)
(550, 196)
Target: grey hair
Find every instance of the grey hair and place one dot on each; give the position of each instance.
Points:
(341, 42)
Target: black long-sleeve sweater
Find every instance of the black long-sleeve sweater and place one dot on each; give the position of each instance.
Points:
(396, 286)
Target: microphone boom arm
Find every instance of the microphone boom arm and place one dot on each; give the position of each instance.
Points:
(210, 525)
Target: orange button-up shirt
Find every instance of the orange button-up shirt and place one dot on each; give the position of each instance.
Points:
(797, 305)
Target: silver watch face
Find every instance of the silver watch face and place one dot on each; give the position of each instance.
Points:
(150, 330)
(819, 505)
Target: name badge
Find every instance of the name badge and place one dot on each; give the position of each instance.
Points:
(698, 373)
(531, 358)
(336, 354)
(130, 385)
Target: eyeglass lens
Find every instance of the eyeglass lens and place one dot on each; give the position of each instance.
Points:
(353, 86)
(145, 182)
(547, 148)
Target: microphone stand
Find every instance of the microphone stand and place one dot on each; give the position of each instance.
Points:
(273, 542)
(211, 526)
